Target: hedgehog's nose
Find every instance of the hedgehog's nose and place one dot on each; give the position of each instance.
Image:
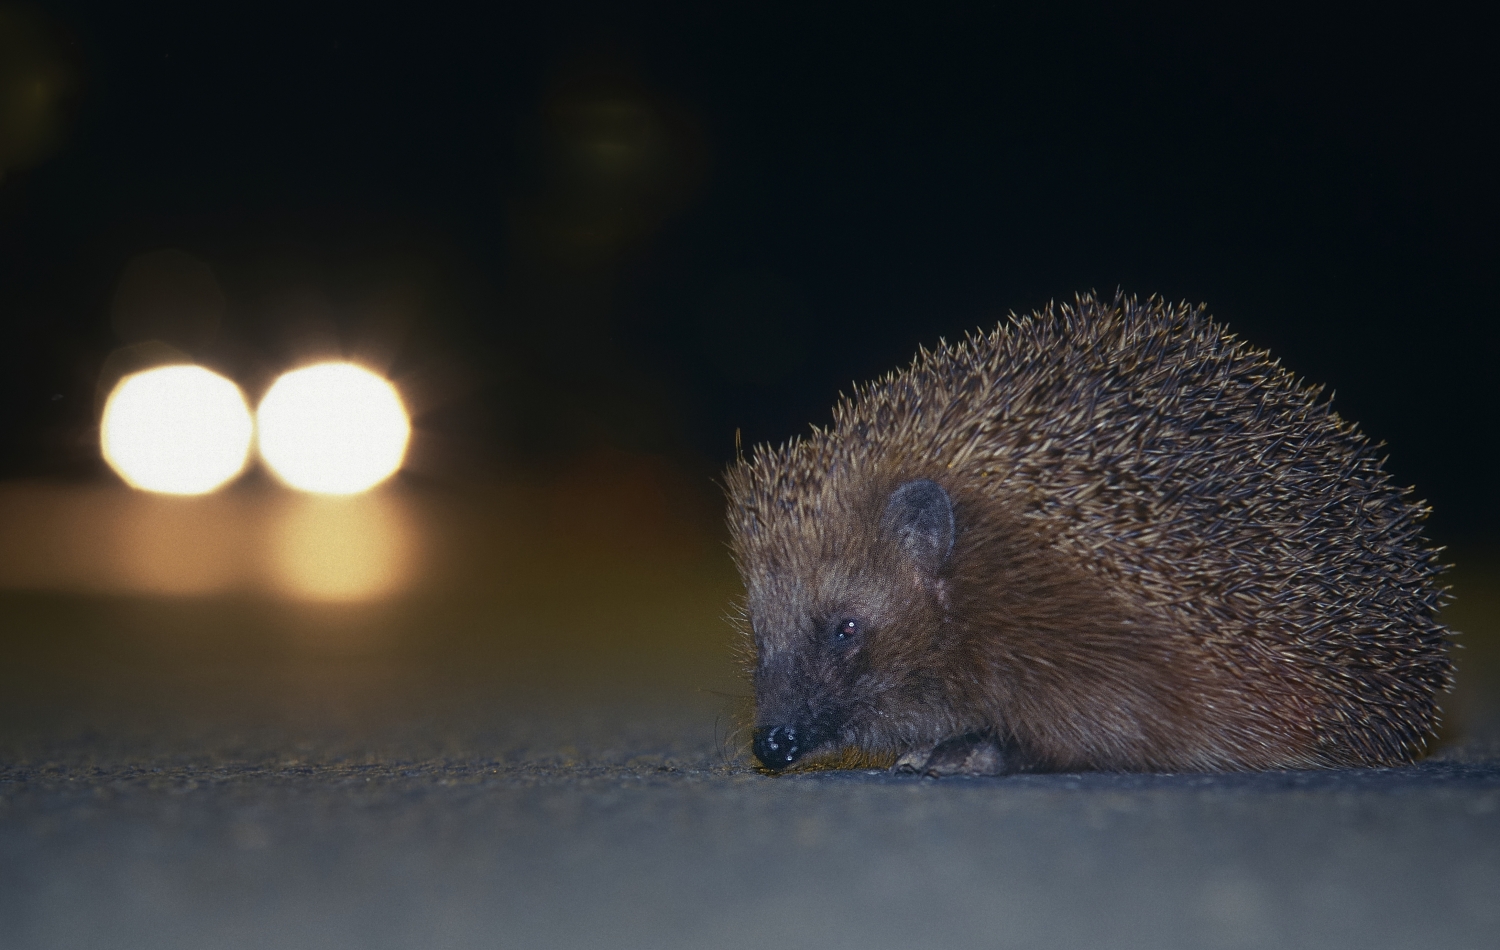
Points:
(777, 746)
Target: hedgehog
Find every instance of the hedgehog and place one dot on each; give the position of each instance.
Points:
(1108, 535)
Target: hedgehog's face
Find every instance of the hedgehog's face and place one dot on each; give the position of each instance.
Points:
(841, 628)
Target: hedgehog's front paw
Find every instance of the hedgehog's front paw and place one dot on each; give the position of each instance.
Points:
(972, 754)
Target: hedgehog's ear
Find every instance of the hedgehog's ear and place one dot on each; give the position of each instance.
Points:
(919, 518)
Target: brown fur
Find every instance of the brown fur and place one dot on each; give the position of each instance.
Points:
(1169, 554)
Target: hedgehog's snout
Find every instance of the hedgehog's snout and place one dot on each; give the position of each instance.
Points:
(779, 746)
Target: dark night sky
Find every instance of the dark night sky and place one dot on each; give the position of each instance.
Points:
(576, 225)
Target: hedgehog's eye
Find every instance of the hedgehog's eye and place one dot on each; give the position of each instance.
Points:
(846, 630)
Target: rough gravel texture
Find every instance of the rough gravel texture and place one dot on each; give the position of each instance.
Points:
(549, 782)
(661, 852)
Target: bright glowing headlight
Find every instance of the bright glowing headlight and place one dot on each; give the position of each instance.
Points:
(180, 430)
(333, 428)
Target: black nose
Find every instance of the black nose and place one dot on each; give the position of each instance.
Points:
(778, 746)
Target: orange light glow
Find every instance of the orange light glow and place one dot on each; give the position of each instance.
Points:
(179, 546)
(341, 549)
(104, 539)
(178, 430)
(333, 429)
(100, 539)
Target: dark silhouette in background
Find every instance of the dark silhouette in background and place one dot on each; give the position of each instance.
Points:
(575, 226)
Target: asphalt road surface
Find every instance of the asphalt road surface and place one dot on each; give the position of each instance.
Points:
(555, 763)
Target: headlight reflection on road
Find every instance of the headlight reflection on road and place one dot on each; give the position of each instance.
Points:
(98, 539)
(331, 429)
(340, 549)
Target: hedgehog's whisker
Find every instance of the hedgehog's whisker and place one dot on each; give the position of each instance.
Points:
(724, 695)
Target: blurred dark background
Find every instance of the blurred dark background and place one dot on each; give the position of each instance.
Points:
(570, 226)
